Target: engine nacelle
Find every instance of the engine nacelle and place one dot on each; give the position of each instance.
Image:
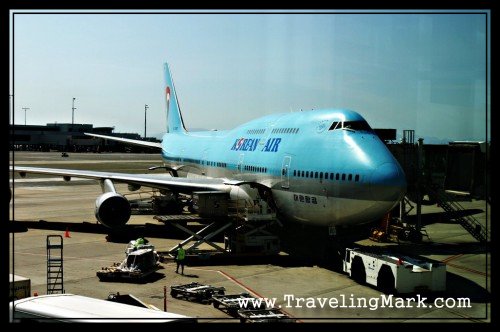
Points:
(133, 187)
(112, 209)
(243, 193)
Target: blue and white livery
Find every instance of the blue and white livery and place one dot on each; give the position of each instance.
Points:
(322, 167)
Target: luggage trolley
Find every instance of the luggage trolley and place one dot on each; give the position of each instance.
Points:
(196, 292)
(272, 315)
(233, 302)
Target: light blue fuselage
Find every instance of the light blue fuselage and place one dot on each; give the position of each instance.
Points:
(317, 173)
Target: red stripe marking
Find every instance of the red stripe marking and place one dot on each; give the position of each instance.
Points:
(468, 269)
(241, 284)
(451, 258)
(253, 292)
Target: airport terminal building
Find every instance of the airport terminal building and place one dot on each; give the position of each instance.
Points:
(67, 137)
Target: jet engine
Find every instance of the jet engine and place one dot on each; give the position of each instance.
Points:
(249, 193)
(243, 193)
(112, 209)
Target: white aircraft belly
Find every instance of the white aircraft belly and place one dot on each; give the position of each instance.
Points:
(328, 211)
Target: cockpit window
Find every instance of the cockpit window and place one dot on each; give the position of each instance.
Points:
(357, 125)
(351, 125)
(334, 125)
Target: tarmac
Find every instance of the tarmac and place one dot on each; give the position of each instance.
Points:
(50, 206)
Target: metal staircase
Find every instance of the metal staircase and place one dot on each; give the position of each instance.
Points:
(55, 264)
(453, 209)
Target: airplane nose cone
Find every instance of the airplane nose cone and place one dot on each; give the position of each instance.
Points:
(388, 182)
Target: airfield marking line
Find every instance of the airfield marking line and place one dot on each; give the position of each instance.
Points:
(231, 279)
(463, 315)
(248, 289)
(70, 257)
(446, 260)
(469, 269)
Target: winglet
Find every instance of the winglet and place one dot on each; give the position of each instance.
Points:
(175, 124)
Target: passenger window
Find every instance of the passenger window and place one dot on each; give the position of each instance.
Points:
(331, 176)
(343, 176)
(337, 176)
(316, 175)
(349, 177)
(321, 175)
(356, 178)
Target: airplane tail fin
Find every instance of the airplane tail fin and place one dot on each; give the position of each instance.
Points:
(175, 124)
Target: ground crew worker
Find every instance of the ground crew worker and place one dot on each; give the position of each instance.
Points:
(140, 241)
(181, 255)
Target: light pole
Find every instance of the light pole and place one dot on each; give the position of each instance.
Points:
(73, 112)
(145, 109)
(25, 109)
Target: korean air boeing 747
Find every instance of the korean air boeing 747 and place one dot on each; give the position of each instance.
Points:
(321, 167)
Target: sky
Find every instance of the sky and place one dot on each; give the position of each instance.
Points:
(420, 71)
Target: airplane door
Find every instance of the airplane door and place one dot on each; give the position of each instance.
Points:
(240, 163)
(285, 172)
(204, 159)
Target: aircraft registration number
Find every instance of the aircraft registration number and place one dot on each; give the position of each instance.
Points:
(305, 199)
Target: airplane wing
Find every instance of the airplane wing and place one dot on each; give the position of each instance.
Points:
(160, 181)
(128, 140)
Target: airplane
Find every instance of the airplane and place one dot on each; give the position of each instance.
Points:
(319, 167)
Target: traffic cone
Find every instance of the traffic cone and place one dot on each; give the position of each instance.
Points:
(66, 234)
